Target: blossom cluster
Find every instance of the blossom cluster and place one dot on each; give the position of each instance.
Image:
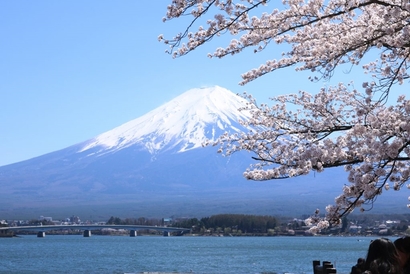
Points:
(322, 34)
(338, 126)
(334, 128)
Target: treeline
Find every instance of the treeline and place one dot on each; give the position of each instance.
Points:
(235, 224)
(230, 223)
(132, 221)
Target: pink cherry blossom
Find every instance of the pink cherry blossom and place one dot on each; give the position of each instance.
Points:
(338, 126)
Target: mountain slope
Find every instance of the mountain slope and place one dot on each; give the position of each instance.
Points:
(185, 122)
(155, 166)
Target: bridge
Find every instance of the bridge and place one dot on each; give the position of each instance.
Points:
(10, 231)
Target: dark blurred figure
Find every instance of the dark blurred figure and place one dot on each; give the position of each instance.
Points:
(359, 267)
(382, 258)
(403, 249)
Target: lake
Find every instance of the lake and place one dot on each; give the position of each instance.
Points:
(185, 254)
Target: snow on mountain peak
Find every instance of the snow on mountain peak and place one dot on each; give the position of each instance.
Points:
(186, 121)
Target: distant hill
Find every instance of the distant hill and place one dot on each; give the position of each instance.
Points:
(155, 166)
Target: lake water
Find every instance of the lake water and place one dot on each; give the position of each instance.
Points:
(156, 254)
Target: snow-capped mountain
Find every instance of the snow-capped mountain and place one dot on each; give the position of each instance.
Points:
(155, 166)
(186, 121)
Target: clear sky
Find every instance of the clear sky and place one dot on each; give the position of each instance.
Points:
(70, 70)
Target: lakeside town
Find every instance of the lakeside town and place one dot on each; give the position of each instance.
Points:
(232, 225)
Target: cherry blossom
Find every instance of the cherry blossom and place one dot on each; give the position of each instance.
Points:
(338, 126)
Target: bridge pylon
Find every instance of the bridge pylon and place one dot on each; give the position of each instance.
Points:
(87, 233)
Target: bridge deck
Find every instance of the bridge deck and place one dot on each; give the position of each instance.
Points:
(93, 227)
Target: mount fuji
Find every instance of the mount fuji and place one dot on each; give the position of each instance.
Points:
(155, 166)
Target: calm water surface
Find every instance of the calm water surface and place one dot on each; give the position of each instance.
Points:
(147, 254)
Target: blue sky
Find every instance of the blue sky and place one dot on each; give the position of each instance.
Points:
(70, 70)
